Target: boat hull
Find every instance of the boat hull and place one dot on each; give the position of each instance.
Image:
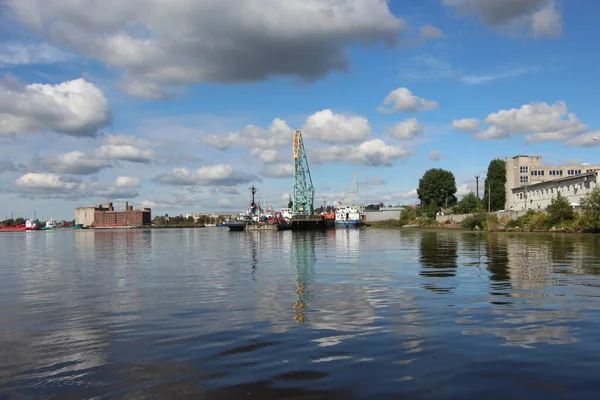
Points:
(348, 224)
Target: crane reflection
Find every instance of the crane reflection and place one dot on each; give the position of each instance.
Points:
(303, 260)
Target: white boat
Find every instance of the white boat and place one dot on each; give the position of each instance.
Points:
(349, 216)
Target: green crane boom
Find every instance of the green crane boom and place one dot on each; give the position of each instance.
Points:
(304, 192)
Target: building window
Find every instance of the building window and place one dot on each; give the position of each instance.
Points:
(524, 170)
(524, 179)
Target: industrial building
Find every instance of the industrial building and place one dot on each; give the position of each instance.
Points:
(383, 214)
(531, 185)
(105, 216)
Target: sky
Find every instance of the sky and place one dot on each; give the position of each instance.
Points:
(181, 106)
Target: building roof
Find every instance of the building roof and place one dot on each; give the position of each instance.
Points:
(558, 180)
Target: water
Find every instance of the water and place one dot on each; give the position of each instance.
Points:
(346, 314)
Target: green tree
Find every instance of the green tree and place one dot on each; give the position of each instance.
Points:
(560, 210)
(590, 210)
(431, 209)
(438, 186)
(494, 194)
(468, 204)
(20, 221)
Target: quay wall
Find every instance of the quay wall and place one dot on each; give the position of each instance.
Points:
(457, 218)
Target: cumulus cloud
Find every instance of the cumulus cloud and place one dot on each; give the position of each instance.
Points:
(277, 135)
(128, 181)
(406, 129)
(540, 17)
(49, 185)
(336, 128)
(124, 153)
(74, 162)
(75, 108)
(283, 170)
(466, 125)
(93, 161)
(585, 140)
(269, 156)
(402, 99)
(408, 195)
(435, 155)
(178, 42)
(214, 175)
(542, 121)
(374, 153)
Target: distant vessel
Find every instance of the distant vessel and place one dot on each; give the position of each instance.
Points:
(240, 223)
(31, 225)
(349, 216)
(50, 224)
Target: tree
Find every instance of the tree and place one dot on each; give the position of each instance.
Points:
(494, 193)
(590, 210)
(438, 186)
(290, 202)
(468, 204)
(560, 210)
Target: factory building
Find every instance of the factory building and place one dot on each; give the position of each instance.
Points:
(383, 214)
(105, 216)
(531, 185)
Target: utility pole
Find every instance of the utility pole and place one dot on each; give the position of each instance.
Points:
(477, 185)
(489, 198)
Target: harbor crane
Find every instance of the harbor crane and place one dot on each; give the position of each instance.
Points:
(353, 184)
(304, 192)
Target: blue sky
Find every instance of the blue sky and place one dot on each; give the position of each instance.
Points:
(120, 103)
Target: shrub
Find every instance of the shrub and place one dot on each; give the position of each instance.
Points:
(590, 211)
(560, 210)
(477, 220)
(468, 204)
(408, 215)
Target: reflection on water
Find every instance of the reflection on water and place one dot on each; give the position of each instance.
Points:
(303, 259)
(206, 313)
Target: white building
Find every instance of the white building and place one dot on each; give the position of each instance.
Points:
(537, 196)
(531, 185)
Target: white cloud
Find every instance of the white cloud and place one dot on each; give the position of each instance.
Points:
(47, 182)
(466, 125)
(124, 153)
(540, 17)
(224, 203)
(406, 129)
(75, 108)
(277, 135)
(408, 195)
(373, 182)
(336, 128)
(14, 53)
(374, 153)
(269, 156)
(402, 99)
(128, 181)
(585, 140)
(91, 162)
(542, 121)
(508, 73)
(178, 42)
(429, 32)
(283, 170)
(214, 175)
(75, 162)
(435, 155)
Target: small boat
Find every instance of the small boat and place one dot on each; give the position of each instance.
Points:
(349, 216)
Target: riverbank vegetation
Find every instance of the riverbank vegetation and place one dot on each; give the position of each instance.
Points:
(558, 216)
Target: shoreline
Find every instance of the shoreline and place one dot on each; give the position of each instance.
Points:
(452, 227)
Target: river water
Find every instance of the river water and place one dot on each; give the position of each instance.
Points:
(346, 314)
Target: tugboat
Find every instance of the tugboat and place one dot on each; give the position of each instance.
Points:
(250, 217)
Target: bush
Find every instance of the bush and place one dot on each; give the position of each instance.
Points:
(408, 216)
(560, 210)
(473, 221)
(590, 211)
(468, 204)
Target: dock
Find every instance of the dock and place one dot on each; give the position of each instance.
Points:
(310, 223)
(268, 227)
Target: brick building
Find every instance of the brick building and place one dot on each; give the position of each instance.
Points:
(107, 217)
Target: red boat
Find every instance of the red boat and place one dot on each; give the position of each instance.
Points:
(13, 228)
